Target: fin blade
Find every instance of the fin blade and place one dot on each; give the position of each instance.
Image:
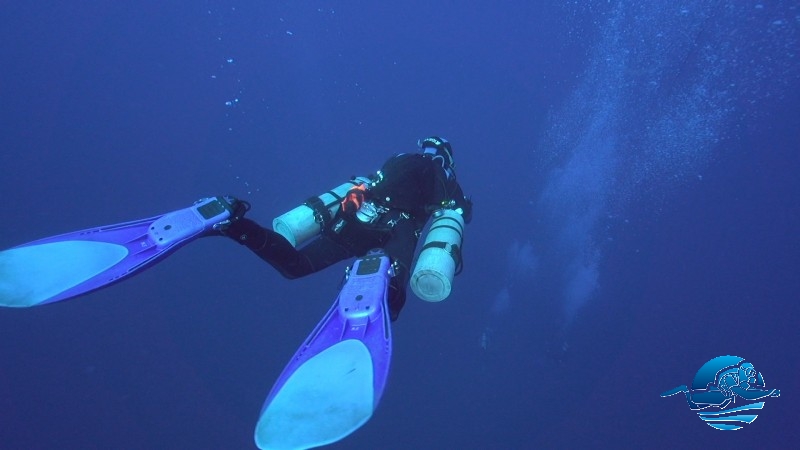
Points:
(335, 380)
(34, 274)
(321, 402)
(72, 264)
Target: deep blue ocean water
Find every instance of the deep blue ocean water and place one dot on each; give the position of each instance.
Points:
(633, 167)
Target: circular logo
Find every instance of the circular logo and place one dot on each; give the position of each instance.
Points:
(717, 386)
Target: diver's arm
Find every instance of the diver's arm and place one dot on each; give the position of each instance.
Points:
(447, 193)
(464, 203)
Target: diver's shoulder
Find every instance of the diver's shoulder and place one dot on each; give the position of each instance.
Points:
(407, 156)
(405, 159)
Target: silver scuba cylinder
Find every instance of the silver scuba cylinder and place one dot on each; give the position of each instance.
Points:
(432, 278)
(306, 221)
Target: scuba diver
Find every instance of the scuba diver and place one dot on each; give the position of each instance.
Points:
(344, 363)
(387, 211)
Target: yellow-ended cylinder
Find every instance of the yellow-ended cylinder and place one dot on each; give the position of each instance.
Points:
(432, 279)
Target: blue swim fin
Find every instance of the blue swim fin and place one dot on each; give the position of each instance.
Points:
(335, 380)
(64, 266)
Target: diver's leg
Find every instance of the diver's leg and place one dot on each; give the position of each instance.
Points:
(280, 254)
(323, 252)
(400, 247)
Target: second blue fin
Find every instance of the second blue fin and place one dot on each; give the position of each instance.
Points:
(335, 380)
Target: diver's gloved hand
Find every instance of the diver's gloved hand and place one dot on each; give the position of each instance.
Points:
(238, 209)
(354, 198)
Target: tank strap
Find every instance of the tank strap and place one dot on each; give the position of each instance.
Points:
(321, 211)
(454, 252)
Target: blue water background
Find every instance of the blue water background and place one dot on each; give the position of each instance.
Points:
(633, 167)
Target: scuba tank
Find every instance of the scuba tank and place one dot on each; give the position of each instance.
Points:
(436, 265)
(307, 220)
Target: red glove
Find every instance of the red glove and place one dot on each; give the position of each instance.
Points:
(354, 199)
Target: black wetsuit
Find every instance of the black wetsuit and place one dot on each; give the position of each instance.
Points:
(412, 187)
